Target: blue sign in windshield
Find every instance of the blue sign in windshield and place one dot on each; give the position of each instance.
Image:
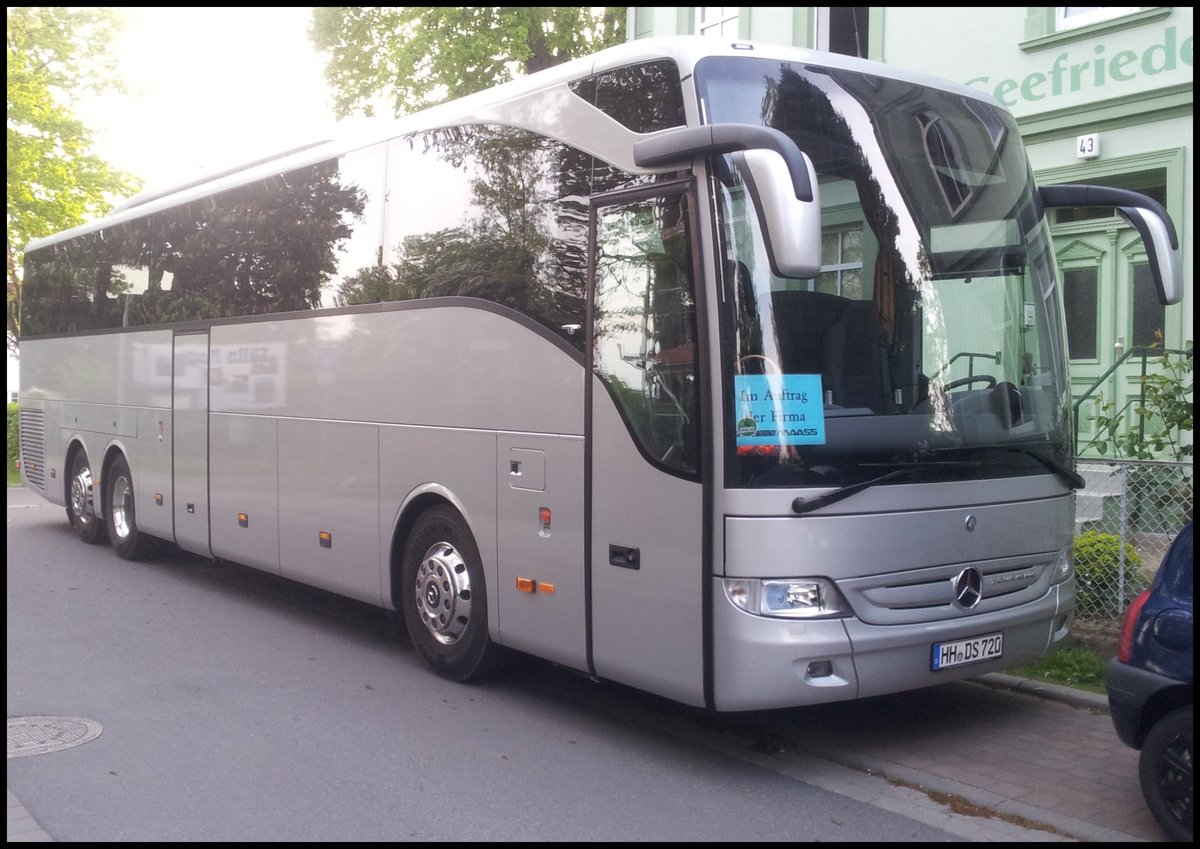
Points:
(778, 409)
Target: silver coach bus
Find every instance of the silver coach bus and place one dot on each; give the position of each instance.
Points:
(730, 372)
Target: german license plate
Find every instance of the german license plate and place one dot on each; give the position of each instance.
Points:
(970, 650)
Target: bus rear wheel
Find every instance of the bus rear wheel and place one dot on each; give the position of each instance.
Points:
(443, 598)
(129, 542)
(81, 500)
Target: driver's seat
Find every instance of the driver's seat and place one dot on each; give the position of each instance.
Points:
(854, 355)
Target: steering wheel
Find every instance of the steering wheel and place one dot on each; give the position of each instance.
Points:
(769, 365)
(967, 381)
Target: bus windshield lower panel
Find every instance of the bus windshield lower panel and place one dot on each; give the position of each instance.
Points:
(931, 345)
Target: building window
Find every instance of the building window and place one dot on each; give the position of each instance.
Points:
(1151, 182)
(842, 262)
(842, 29)
(1148, 313)
(721, 21)
(1073, 17)
(1079, 293)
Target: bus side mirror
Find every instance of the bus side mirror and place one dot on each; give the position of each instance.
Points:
(1158, 234)
(1146, 215)
(779, 176)
(791, 226)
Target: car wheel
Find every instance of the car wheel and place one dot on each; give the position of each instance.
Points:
(81, 500)
(443, 598)
(1165, 770)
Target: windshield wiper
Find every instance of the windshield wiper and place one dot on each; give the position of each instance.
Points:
(1073, 479)
(801, 505)
(807, 505)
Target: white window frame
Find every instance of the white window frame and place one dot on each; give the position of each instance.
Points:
(839, 267)
(711, 20)
(1065, 20)
(821, 28)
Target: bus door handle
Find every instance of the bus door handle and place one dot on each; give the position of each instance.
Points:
(625, 557)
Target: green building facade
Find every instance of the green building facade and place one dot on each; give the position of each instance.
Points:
(1101, 94)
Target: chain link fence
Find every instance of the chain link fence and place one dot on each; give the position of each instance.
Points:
(1125, 520)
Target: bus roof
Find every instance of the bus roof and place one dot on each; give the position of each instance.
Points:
(685, 50)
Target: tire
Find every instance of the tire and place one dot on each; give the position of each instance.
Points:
(127, 540)
(81, 501)
(1165, 770)
(444, 600)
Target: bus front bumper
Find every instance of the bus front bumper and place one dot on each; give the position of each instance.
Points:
(763, 663)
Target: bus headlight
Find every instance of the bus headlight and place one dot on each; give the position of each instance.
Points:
(796, 598)
(1064, 567)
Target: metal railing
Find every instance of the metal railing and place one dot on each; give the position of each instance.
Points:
(1145, 353)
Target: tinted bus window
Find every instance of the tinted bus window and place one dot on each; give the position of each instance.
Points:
(277, 245)
(486, 212)
(644, 98)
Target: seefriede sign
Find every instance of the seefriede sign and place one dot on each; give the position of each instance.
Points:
(1090, 67)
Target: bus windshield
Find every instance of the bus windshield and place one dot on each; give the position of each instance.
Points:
(929, 345)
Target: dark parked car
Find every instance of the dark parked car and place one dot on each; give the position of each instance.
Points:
(1150, 689)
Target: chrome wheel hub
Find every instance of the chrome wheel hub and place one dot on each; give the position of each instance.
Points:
(443, 593)
(81, 494)
(122, 507)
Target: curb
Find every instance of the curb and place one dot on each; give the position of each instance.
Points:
(1045, 690)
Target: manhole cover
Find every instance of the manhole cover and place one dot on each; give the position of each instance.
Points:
(36, 735)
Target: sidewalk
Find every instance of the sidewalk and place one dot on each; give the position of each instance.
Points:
(1023, 751)
(21, 826)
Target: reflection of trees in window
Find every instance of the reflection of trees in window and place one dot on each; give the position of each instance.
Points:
(79, 285)
(490, 212)
(520, 240)
(795, 106)
(59, 294)
(644, 98)
(262, 248)
(644, 325)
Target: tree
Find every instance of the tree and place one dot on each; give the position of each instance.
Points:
(415, 56)
(55, 56)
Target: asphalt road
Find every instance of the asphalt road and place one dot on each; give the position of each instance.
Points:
(235, 705)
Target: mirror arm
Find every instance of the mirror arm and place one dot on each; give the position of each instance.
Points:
(679, 146)
(1147, 216)
(1073, 194)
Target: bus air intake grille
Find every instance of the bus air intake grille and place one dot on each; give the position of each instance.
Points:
(33, 447)
(927, 595)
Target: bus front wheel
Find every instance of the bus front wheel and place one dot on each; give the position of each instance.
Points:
(81, 500)
(443, 598)
(129, 542)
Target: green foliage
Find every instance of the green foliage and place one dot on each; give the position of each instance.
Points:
(14, 433)
(56, 55)
(1070, 666)
(1097, 574)
(1161, 419)
(414, 56)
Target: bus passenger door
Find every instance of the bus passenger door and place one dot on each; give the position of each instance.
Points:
(645, 503)
(189, 402)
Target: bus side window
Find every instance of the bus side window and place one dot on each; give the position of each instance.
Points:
(488, 212)
(645, 326)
